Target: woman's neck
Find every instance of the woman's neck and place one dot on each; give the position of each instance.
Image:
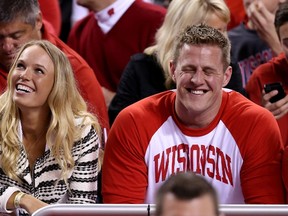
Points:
(33, 124)
(34, 132)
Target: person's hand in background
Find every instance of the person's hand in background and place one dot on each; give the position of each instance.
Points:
(262, 20)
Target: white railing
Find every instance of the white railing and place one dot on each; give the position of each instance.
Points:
(149, 210)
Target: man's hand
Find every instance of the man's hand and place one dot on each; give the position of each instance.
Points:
(263, 22)
(279, 108)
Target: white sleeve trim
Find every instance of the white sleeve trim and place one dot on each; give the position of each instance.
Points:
(5, 197)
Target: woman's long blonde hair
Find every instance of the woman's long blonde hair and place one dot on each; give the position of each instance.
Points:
(65, 103)
(180, 14)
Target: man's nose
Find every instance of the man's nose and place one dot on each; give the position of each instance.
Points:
(8, 45)
(197, 77)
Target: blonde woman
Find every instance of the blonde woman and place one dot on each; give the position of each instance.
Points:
(147, 72)
(49, 143)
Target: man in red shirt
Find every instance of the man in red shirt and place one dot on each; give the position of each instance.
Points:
(114, 30)
(274, 71)
(271, 72)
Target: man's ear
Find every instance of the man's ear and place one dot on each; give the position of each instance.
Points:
(39, 22)
(227, 76)
(172, 70)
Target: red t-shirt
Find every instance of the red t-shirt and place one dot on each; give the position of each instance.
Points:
(239, 152)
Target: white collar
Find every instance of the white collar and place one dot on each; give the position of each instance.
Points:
(110, 15)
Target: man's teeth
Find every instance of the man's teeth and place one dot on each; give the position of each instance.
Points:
(24, 88)
(197, 92)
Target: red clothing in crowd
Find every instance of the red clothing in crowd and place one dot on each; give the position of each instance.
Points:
(273, 71)
(51, 12)
(237, 12)
(109, 53)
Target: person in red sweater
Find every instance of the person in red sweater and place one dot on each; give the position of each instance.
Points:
(20, 22)
(51, 13)
(111, 33)
(274, 71)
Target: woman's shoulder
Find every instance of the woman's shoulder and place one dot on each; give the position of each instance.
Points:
(85, 124)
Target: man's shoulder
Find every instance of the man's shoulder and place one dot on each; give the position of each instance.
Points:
(274, 66)
(146, 115)
(279, 62)
(238, 104)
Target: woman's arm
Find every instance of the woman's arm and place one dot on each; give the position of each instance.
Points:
(84, 179)
(27, 202)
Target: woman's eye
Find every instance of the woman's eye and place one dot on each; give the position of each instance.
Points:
(39, 71)
(19, 66)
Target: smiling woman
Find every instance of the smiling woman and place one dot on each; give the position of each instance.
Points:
(48, 140)
(34, 69)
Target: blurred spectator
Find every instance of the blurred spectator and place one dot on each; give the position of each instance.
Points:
(186, 194)
(111, 33)
(255, 41)
(274, 71)
(51, 12)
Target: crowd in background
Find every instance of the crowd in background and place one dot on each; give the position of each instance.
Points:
(103, 101)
